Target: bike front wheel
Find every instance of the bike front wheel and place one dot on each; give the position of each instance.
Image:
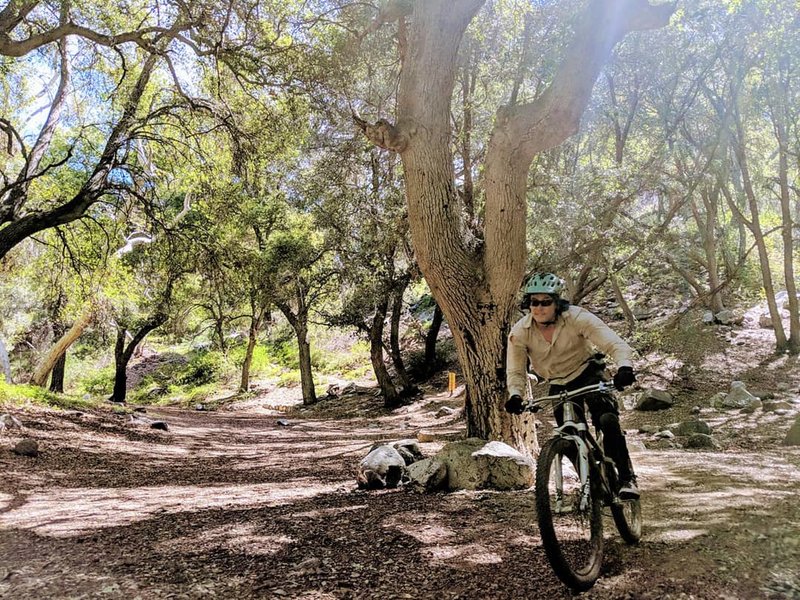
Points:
(628, 519)
(570, 520)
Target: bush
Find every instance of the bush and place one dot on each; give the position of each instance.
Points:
(203, 367)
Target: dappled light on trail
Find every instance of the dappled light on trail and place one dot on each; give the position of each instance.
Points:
(73, 512)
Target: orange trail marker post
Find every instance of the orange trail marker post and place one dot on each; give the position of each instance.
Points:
(451, 382)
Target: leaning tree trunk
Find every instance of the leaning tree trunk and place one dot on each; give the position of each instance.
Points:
(475, 282)
(391, 399)
(60, 347)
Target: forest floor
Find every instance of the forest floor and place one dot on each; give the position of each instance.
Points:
(235, 504)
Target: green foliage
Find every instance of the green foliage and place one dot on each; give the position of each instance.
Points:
(99, 382)
(202, 368)
(12, 395)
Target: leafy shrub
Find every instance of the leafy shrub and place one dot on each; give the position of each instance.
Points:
(202, 368)
(99, 382)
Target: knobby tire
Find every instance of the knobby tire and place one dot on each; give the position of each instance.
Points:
(573, 541)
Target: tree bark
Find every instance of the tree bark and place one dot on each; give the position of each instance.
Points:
(57, 374)
(252, 338)
(123, 354)
(299, 323)
(391, 399)
(60, 347)
(431, 337)
(5, 364)
(407, 388)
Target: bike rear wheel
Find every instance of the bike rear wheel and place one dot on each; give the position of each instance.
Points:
(572, 535)
(628, 519)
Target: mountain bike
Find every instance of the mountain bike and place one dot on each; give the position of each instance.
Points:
(574, 481)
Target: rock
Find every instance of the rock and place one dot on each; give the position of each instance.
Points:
(445, 411)
(475, 464)
(428, 474)
(9, 421)
(696, 410)
(691, 427)
(716, 400)
(426, 436)
(636, 446)
(409, 449)
(652, 399)
(282, 422)
(765, 321)
(763, 395)
(27, 447)
(752, 407)
(708, 318)
(666, 434)
(776, 405)
(383, 467)
(199, 407)
(793, 436)
(162, 425)
(648, 429)
(738, 397)
(726, 317)
(700, 440)
(507, 468)
(140, 409)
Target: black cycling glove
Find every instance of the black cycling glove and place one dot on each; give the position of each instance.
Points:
(514, 405)
(624, 378)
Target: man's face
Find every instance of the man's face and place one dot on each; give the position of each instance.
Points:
(543, 308)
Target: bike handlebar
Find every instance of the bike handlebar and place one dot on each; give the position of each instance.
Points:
(603, 386)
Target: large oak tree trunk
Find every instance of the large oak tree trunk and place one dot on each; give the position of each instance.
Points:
(123, 354)
(474, 275)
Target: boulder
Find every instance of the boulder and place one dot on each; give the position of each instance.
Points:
(428, 474)
(738, 397)
(445, 411)
(506, 467)
(793, 436)
(27, 447)
(475, 464)
(776, 405)
(752, 407)
(652, 399)
(700, 440)
(727, 317)
(708, 318)
(691, 427)
(383, 467)
(765, 321)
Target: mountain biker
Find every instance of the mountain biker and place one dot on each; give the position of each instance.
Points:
(559, 341)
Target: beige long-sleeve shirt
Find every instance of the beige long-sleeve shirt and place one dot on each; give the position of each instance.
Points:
(577, 333)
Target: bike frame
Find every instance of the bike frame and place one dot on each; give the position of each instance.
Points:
(577, 431)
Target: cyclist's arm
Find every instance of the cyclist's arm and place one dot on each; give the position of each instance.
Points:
(605, 339)
(516, 366)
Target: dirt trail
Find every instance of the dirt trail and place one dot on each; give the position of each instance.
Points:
(234, 505)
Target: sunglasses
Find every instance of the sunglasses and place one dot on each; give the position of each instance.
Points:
(534, 302)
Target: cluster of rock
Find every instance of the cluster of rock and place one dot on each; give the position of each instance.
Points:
(697, 433)
(462, 465)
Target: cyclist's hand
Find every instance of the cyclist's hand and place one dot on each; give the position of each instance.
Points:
(514, 405)
(624, 378)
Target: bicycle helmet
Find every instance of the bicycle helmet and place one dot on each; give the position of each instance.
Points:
(544, 283)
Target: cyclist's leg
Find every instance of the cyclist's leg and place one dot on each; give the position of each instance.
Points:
(605, 416)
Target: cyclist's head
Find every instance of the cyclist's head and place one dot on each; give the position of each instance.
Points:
(545, 283)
